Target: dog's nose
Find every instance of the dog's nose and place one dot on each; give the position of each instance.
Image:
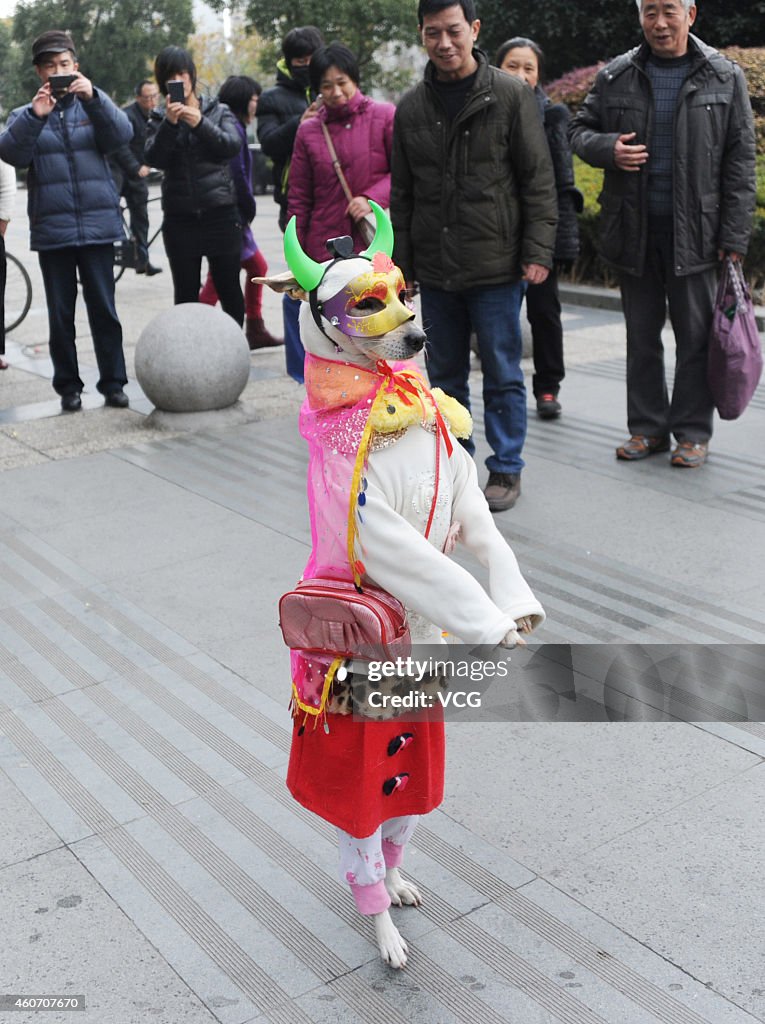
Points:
(415, 340)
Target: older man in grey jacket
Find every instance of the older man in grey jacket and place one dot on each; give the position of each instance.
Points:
(672, 125)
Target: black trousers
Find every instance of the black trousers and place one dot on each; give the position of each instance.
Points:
(216, 234)
(688, 414)
(543, 314)
(95, 264)
(136, 193)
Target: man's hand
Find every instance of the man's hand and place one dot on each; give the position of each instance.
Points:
(629, 157)
(143, 170)
(358, 208)
(534, 273)
(43, 102)
(412, 289)
(191, 116)
(82, 87)
(735, 257)
(311, 111)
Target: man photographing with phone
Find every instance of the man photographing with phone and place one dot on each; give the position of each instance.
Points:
(63, 136)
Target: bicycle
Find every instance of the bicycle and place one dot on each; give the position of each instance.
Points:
(126, 251)
(18, 292)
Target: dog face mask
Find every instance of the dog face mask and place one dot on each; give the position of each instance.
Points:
(371, 304)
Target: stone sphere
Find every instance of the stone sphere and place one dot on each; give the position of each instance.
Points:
(192, 358)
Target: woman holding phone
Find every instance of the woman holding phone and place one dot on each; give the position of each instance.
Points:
(192, 141)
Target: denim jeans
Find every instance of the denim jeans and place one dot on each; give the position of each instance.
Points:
(493, 313)
(59, 272)
(294, 352)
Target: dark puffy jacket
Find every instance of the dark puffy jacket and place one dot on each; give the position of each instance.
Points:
(570, 199)
(72, 199)
(714, 159)
(471, 200)
(279, 111)
(195, 160)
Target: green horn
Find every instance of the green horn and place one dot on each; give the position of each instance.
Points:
(383, 240)
(308, 273)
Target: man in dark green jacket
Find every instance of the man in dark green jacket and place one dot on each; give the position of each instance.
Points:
(474, 208)
(671, 123)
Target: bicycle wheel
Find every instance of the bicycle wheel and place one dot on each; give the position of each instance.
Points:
(18, 292)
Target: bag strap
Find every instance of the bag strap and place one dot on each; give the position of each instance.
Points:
(336, 162)
(738, 281)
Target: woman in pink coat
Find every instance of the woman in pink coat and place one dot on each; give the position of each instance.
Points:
(361, 131)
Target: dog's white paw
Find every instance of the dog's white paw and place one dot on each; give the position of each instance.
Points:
(402, 893)
(393, 949)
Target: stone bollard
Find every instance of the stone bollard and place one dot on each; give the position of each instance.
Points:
(191, 359)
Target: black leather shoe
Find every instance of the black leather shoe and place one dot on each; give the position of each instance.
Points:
(151, 270)
(117, 400)
(71, 402)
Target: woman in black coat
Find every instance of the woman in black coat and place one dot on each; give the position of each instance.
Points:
(523, 58)
(192, 141)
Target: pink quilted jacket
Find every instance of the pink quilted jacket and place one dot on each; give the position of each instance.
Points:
(362, 132)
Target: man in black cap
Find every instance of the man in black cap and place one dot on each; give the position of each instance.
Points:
(281, 110)
(73, 210)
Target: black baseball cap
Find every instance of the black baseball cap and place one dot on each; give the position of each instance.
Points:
(54, 41)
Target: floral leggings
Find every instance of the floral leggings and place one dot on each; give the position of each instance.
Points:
(363, 862)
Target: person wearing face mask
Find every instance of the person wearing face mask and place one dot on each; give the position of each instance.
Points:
(524, 58)
(358, 132)
(281, 110)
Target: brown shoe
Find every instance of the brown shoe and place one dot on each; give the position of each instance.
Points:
(502, 491)
(258, 335)
(639, 446)
(688, 455)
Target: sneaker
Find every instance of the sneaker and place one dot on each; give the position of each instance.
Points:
(117, 399)
(502, 491)
(71, 402)
(688, 455)
(548, 406)
(640, 446)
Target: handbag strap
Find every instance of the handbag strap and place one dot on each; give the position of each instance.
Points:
(336, 162)
(738, 283)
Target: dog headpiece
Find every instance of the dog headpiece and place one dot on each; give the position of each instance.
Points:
(370, 304)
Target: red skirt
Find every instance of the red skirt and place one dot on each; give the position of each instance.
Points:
(362, 773)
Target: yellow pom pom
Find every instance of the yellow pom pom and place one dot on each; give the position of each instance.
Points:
(456, 415)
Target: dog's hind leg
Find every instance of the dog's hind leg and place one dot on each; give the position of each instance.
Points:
(396, 833)
(393, 949)
(402, 892)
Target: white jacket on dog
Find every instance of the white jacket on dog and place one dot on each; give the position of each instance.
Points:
(401, 478)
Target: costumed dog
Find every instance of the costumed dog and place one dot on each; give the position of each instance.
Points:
(389, 490)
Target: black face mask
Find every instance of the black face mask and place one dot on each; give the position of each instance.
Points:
(301, 76)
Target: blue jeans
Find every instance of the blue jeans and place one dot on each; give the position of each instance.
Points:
(493, 313)
(294, 353)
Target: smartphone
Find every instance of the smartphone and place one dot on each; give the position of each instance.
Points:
(59, 84)
(176, 92)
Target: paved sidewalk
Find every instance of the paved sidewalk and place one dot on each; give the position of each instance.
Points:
(151, 858)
